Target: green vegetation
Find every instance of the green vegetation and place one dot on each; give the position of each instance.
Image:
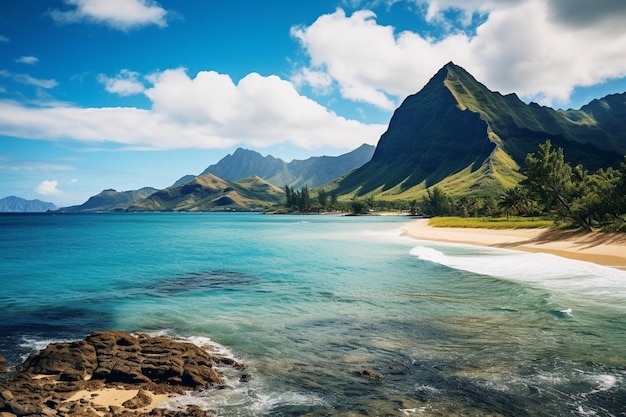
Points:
(458, 135)
(210, 193)
(574, 196)
(298, 200)
(490, 223)
(547, 192)
(551, 188)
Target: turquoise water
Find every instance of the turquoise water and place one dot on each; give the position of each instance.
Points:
(332, 315)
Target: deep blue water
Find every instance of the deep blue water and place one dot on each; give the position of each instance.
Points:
(310, 302)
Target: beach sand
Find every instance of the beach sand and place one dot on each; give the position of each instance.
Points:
(103, 398)
(608, 249)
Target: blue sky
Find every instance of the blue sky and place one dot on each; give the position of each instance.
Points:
(122, 94)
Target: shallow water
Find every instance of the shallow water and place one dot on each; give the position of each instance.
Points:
(332, 315)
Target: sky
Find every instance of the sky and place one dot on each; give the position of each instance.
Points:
(123, 94)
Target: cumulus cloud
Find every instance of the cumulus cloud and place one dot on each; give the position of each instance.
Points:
(206, 111)
(118, 14)
(539, 49)
(48, 188)
(30, 60)
(321, 81)
(370, 62)
(126, 83)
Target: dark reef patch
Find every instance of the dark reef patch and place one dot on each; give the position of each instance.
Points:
(218, 280)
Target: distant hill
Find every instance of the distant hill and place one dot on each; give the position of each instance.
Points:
(459, 135)
(211, 193)
(111, 200)
(312, 172)
(14, 204)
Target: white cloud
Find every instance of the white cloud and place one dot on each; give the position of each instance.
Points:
(209, 111)
(48, 188)
(126, 83)
(35, 166)
(541, 50)
(37, 82)
(118, 14)
(30, 60)
(320, 80)
(4, 39)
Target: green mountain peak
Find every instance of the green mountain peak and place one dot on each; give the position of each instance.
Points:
(467, 139)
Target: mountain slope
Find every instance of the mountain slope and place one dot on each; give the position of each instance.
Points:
(244, 163)
(14, 204)
(111, 200)
(312, 172)
(211, 193)
(457, 133)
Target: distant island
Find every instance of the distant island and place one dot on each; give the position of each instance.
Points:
(14, 204)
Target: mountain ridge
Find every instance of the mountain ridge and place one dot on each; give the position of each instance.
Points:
(210, 193)
(454, 133)
(455, 125)
(110, 200)
(13, 204)
(312, 172)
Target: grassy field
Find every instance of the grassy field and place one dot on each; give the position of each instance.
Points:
(491, 223)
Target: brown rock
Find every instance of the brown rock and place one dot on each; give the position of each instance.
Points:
(20, 408)
(71, 361)
(142, 399)
(109, 359)
(3, 364)
(371, 374)
(6, 395)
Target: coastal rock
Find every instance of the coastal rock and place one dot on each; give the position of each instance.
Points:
(142, 399)
(70, 361)
(49, 379)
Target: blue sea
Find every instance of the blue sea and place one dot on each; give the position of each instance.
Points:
(333, 316)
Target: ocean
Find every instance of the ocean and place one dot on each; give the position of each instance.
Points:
(333, 316)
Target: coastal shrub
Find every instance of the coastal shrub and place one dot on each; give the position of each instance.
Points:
(491, 223)
(574, 196)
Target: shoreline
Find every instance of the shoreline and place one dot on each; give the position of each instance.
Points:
(606, 249)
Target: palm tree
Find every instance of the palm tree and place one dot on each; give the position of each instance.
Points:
(512, 200)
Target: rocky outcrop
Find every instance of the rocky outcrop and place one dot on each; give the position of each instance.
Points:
(49, 380)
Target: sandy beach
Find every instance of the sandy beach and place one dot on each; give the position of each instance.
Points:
(105, 398)
(608, 249)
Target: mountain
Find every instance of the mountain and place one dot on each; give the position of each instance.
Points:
(244, 163)
(458, 134)
(14, 204)
(111, 200)
(183, 180)
(211, 193)
(312, 172)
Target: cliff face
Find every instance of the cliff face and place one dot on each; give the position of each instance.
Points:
(456, 127)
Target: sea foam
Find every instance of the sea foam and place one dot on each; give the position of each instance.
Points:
(539, 269)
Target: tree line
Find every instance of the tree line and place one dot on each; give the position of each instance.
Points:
(302, 201)
(572, 196)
